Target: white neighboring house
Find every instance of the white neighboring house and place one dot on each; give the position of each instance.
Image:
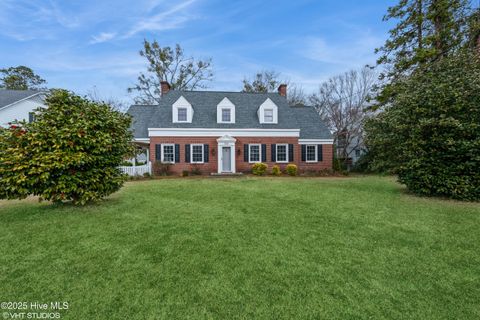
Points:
(19, 105)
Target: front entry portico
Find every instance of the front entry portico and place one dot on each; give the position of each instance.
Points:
(226, 154)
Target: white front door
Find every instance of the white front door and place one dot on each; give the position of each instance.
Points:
(226, 159)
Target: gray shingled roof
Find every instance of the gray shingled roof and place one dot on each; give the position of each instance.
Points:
(10, 96)
(205, 103)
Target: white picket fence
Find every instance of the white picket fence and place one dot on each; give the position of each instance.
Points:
(137, 170)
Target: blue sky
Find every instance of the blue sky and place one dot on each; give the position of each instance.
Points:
(86, 44)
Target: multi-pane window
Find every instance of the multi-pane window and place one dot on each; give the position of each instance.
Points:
(182, 114)
(226, 115)
(197, 153)
(358, 152)
(311, 153)
(254, 153)
(268, 115)
(31, 117)
(282, 152)
(168, 153)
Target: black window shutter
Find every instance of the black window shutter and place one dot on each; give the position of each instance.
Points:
(264, 153)
(31, 117)
(290, 152)
(187, 153)
(274, 152)
(177, 153)
(205, 153)
(320, 152)
(158, 152)
(245, 152)
(304, 152)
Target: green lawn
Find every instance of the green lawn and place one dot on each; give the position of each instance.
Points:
(247, 248)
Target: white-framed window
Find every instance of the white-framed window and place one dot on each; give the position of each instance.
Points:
(182, 114)
(358, 153)
(168, 153)
(268, 115)
(311, 153)
(254, 153)
(196, 153)
(226, 115)
(282, 153)
(225, 111)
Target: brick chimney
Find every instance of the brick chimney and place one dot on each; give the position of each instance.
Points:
(282, 90)
(164, 87)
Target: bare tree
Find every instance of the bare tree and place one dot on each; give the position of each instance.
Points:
(343, 102)
(115, 103)
(171, 65)
(269, 80)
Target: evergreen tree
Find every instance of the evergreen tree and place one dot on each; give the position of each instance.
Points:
(426, 31)
(20, 78)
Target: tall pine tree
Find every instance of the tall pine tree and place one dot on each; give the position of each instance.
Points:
(426, 30)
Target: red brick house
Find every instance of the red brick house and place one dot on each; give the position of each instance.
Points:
(227, 132)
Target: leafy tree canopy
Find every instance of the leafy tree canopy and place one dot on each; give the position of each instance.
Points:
(171, 65)
(20, 78)
(430, 133)
(69, 153)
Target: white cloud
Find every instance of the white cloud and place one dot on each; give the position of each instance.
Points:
(354, 52)
(102, 37)
(169, 19)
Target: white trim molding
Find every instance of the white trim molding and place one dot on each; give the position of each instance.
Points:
(210, 132)
(225, 104)
(179, 104)
(315, 141)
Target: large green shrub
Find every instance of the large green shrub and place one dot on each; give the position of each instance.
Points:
(430, 133)
(69, 153)
(259, 169)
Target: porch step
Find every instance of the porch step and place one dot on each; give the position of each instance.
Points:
(226, 174)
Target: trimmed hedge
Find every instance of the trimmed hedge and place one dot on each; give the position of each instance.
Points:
(259, 169)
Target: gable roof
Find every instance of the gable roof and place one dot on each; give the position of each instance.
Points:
(8, 97)
(205, 103)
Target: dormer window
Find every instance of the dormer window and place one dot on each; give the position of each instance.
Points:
(268, 115)
(268, 112)
(182, 111)
(225, 111)
(182, 114)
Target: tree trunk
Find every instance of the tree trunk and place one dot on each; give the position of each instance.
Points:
(420, 24)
